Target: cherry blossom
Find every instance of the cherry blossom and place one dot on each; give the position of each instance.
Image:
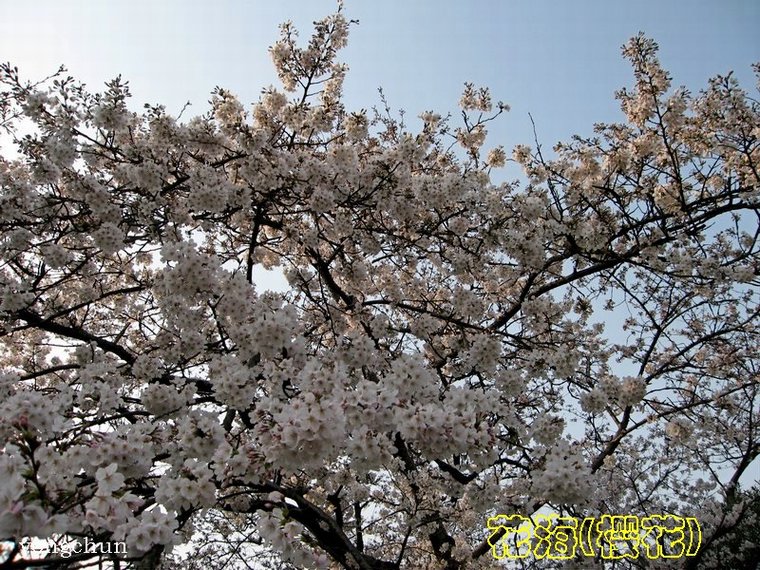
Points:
(451, 347)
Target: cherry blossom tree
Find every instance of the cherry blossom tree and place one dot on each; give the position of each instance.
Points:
(450, 348)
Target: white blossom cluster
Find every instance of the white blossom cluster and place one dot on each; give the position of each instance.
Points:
(284, 537)
(30, 411)
(108, 237)
(192, 487)
(17, 517)
(624, 392)
(160, 399)
(564, 477)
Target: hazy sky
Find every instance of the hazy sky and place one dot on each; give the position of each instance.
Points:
(558, 60)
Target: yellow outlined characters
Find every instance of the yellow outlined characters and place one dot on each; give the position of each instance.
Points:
(618, 537)
(556, 537)
(670, 536)
(614, 537)
(507, 545)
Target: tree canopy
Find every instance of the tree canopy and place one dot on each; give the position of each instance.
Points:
(580, 342)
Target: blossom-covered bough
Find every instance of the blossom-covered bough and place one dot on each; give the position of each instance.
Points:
(450, 348)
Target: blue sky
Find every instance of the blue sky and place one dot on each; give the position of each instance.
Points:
(558, 60)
